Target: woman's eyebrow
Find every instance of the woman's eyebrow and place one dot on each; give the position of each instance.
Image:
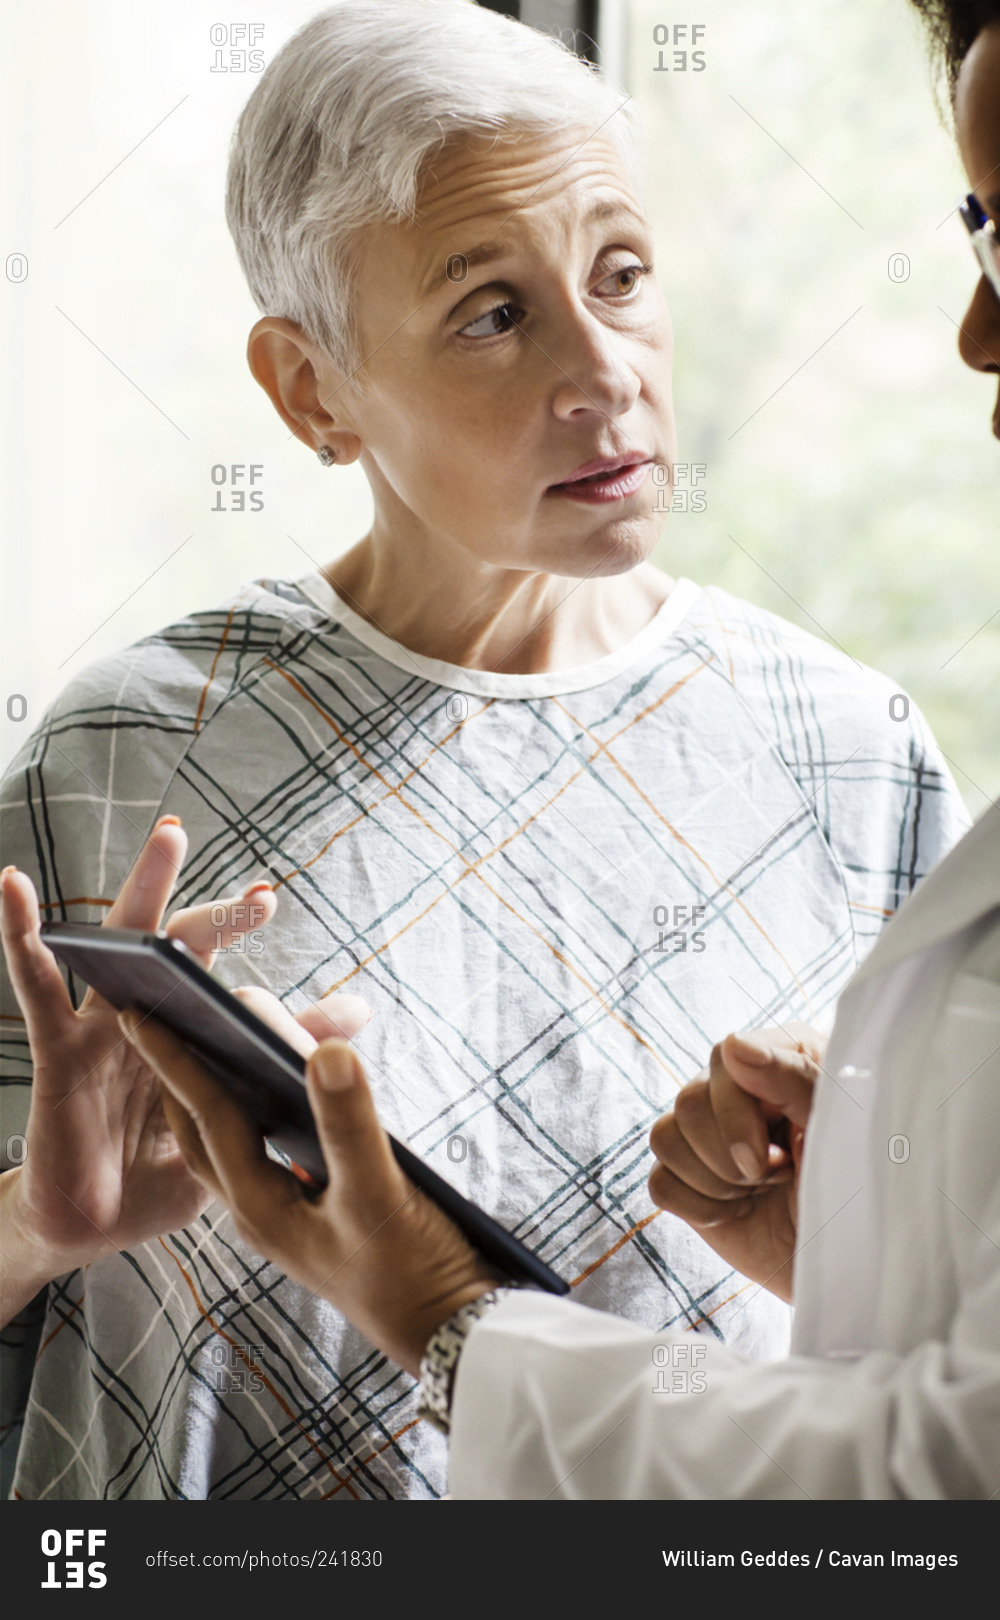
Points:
(468, 257)
(496, 248)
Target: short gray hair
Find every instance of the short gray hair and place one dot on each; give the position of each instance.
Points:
(340, 127)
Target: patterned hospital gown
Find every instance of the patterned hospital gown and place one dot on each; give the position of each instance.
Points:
(556, 891)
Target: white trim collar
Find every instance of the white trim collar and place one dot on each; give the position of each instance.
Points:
(487, 683)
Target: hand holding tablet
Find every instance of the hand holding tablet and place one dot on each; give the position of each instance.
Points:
(255, 1065)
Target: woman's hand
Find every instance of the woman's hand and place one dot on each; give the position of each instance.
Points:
(102, 1170)
(730, 1151)
(371, 1243)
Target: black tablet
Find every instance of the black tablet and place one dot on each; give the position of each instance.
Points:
(161, 976)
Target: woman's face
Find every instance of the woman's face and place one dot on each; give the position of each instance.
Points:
(977, 117)
(515, 335)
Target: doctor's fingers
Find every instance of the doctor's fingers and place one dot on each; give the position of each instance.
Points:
(696, 1116)
(669, 1192)
(686, 1164)
(740, 1118)
(794, 1035)
(783, 1081)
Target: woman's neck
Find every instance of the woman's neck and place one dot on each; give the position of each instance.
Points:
(481, 616)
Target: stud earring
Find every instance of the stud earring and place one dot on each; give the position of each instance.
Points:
(326, 455)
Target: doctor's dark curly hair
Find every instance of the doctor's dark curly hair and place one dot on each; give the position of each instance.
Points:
(953, 26)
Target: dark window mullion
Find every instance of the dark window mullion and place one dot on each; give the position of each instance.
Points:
(555, 16)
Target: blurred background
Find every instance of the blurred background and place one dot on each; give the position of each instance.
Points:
(802, 190)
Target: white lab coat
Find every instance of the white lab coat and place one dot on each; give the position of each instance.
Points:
(892, 1388)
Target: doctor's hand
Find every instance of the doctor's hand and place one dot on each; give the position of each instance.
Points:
(371, 1243)
(102, 1170)
(730, 1151)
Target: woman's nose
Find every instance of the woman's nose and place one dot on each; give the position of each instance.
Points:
(594, 371)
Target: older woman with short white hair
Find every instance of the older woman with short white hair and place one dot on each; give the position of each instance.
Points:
(560, 820)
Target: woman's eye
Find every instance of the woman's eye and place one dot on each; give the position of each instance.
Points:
(626, 280)
(505, 317)
(497, 320)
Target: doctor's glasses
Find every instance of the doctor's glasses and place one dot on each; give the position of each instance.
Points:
(984, 239)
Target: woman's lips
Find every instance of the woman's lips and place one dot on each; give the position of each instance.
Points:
(610, 484)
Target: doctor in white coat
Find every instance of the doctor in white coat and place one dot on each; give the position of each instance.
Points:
(874, 1178)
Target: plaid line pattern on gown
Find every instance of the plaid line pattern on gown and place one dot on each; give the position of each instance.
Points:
(494, 863)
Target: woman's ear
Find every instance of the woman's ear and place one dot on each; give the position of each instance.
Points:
(300, 381)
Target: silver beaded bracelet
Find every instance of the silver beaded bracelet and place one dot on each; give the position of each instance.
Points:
(440, 1359)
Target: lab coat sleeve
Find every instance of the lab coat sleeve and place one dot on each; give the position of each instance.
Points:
(555, 1400)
